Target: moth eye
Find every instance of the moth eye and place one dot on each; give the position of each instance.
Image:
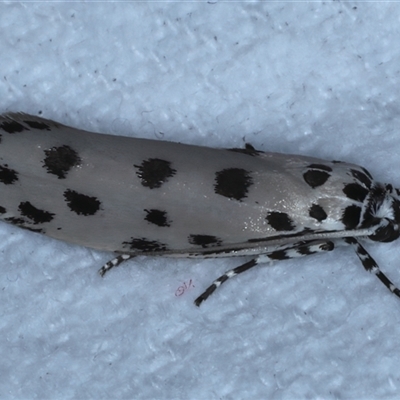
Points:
(387, 232)
(389, 188)
(396, 210)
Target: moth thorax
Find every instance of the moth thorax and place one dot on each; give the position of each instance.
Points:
(384, 207)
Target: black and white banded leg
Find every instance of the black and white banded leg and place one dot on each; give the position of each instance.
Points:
(300, 249)
(115, 262)
(370, 265)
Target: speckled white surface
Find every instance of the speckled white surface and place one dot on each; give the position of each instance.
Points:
(315, 78)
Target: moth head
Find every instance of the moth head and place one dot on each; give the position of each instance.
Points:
(384, 207)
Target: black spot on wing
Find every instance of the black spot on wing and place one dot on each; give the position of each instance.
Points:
(154, 172)
(280, 221)
(367, 173)
(355, 191)
(317, 175)
(12, 127)
(144, 245)
(249, 150)
(16, 221)
(81, 204)
(204, 240)
(233, 183)
(157, 217)
(36, 230)
(362, 177)
(317, 212)
(36, 215)
(369, 218)
(59, 160)
(351, 216)
(2, 210)
(7, 175)
(38, 125)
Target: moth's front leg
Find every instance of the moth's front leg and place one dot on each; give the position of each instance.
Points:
(370, 265)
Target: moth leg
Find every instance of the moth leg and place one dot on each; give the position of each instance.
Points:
(370, 265)
(290, 251)
(297, 250)
(218, 282)
(114, 263)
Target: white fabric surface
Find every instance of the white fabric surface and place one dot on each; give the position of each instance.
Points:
(314, 78)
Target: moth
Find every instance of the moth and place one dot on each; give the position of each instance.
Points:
(157, 198)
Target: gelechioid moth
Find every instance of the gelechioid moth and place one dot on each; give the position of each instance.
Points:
(148, 197)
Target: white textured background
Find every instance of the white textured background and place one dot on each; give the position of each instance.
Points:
(315, 78)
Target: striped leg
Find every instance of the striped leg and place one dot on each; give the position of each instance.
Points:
(114, 263)
(290, 251)
(370, 265)
(218, 282)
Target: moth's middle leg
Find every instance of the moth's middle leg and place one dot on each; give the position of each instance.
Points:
(294, 250)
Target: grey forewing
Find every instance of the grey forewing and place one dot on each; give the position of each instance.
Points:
(142, 196)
